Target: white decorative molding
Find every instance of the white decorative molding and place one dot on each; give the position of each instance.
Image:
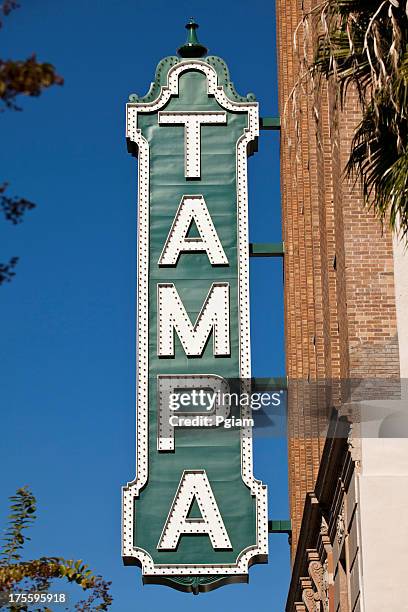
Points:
(326, 582)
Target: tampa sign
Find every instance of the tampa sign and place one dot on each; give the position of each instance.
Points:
(194, 517)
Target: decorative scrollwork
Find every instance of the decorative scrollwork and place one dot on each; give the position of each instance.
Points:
(309, 598)
(316, 574)
(196, 584)
(341, 524)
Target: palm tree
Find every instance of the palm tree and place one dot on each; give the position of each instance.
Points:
(364, 43)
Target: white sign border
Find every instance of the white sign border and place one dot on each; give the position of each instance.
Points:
(130, 553)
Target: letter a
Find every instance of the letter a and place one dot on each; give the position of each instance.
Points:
(192, 208)
(194, 486)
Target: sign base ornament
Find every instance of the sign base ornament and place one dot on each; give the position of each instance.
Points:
(194, 518)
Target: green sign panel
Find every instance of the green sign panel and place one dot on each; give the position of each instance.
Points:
(194, 517)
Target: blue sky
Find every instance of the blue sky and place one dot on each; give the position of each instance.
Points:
(68, 318)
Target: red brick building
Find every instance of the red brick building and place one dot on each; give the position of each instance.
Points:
(345, 302)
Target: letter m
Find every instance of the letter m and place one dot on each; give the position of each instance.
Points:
(213, 317)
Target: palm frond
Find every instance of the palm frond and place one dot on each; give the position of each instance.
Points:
(362, 45)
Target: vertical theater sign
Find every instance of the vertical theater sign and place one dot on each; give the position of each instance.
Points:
(195, 517)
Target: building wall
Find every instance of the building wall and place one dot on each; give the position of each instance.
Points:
(346, 318)
(401, 295)
(383, 500)
(327, 564)
(383, 477)
(308, 277)
(340, 312)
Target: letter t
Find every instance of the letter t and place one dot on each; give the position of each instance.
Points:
(192, 135)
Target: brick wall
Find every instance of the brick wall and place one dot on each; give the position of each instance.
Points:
(339, 294)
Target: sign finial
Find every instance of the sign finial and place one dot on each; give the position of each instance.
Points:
(192, 47)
